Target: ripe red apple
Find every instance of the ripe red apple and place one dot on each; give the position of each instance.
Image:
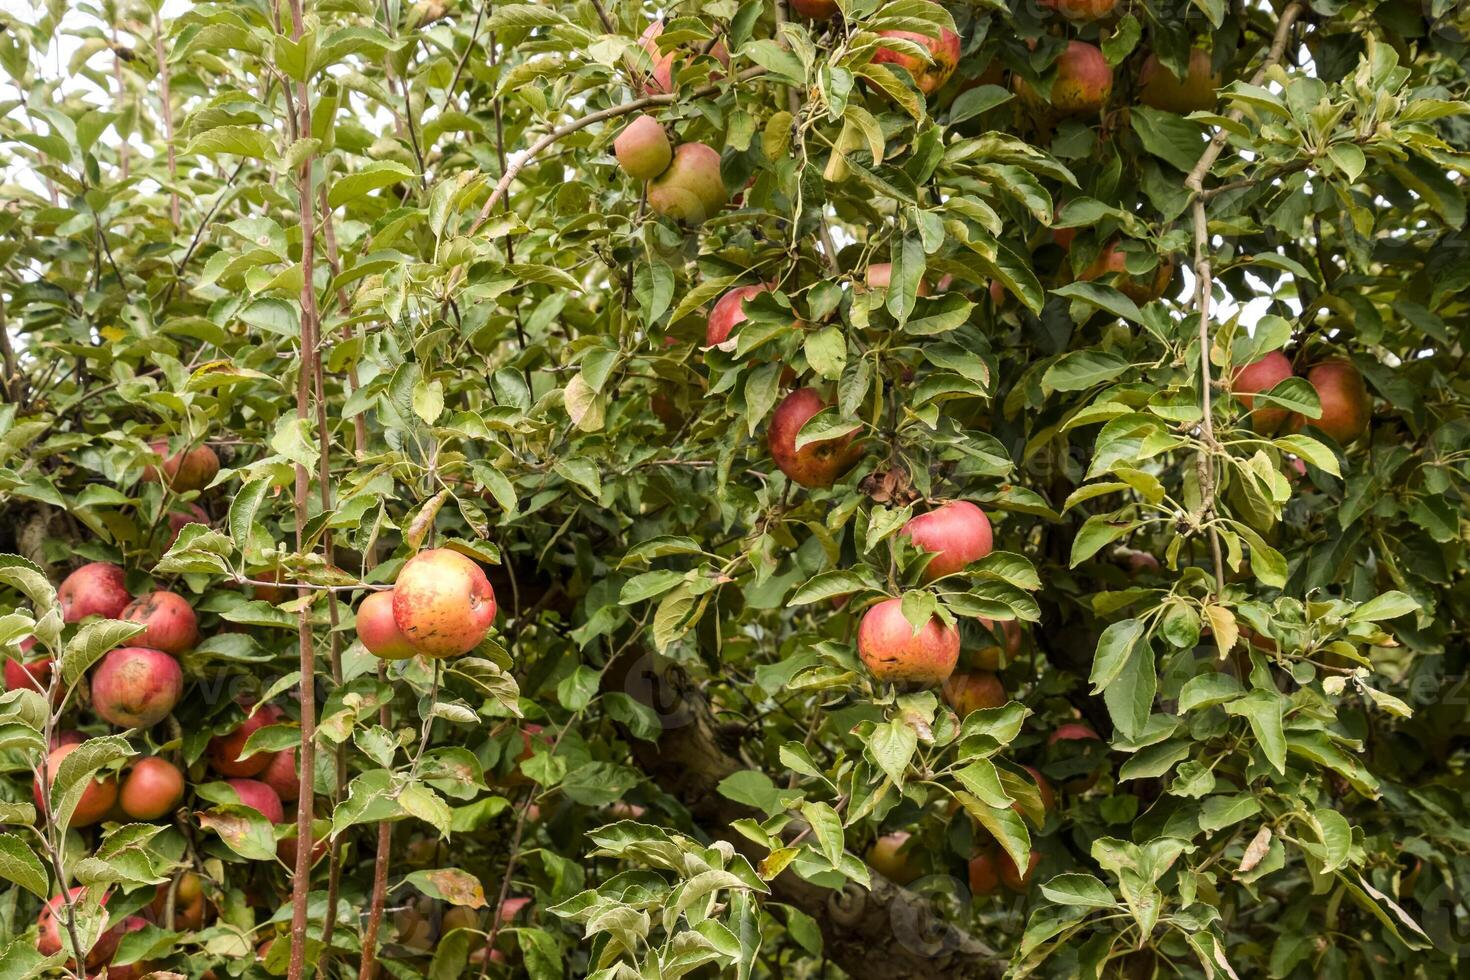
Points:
(957, 532)
(191, 908)
(443, 603)
(136, 687)
(643, 149)
(973, 690)
(179, 519)
(378, 630)
(880, 276)
(51, 923)
(282, 775)
(169, 623)
(1259, 376)
(813, 9)
(259, 797)
(661, 80)
(33, 675)
(892, 650)
(1081, 9)
(95, 589)
(984, 874)
(1075, 731)
(1015, 879)
(1159, 88)
(188, 469)
(997, 655)
(817, 464)
(1082, 86)
(96, 801)
(224, 750)
(1346, 405)
(1112, 263)
(944, 52)
(729, 312)
(151, 789)
(691, 188)
(888, 857)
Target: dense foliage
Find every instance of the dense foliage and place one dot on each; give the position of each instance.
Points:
(380, 260)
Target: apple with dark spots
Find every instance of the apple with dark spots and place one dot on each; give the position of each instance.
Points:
(443, 603)
(169, 623)
(893, 651)
(816, 464)
(95, 589)
(136, 687)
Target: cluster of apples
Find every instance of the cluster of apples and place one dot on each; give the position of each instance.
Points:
(191, 911)
(441, 605)
(1347, 407)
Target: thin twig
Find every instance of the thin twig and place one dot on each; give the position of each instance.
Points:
(166, 98)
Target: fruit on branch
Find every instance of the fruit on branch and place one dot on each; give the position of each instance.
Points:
(643, 149)
(1082, 86)
(816, 464)
(224, 750)
(1014, 878)
(95, 589)
(191, 909)
(180, 519)
(984, 874)
(186, 470)
(997, 655)
(443, 603)
(889, 858)
(378, 630)
(51, 927)
(661, 80)
(1081, 9)
(259, 797)
(33, 675)
(894, 651)
(169, 624)
(956, 533)
(1043, 789)
(1346, 405)
(930, 76)
(97, 799)
(880, 276)
(1159, 88)
(1259, 376)
(729, 312)
(814, 9)
(151, 789)
(691, 189)
(972, 690)
(1112, 263)
(282, 775)
(136, 687)
(1075, 731)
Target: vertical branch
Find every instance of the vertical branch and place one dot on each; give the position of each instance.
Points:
(14, 386)
(510, 253)
(306, 379)
(123, 151)
(1204, 283)
(168, 119)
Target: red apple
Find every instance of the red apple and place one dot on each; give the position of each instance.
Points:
(880, 276)
(169, 623)
(1081, 9)
(33, 675)
(1082, 86)
(259, 797)
(95, 589)
(729, 312)
(188, 469)
(1346, 406)
(1075, 732)
(224, 750)
(817, 464)
(51, 922)
(957, 532)
(643, 149)
(1043, 787)
(973, 690)
(1015, 879)
(97, 799)
(661, 80)
(151, 789)
(984, 874)
(944, 54)
(1259, 376)
(813, 9)
(1159, 88)
(282, 775)
(1112, 263)
(136, 687)
(691, 189)
(893, 651)
(378, 630)
(443, 603)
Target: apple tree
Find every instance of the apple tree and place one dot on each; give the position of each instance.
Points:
(871, 488)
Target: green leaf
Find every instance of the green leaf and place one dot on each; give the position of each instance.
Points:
(20, 865)
(1169, 137)
(1390, 605)
(893, 745)
(1265, 711)
(372, 177)
(1082, 369)
(1078, 889)
(90, 643)
(240, 141)
(827, 828)
(74, 774)
(1104, 298)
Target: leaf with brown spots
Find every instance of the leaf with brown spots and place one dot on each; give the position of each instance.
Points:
(450, 885)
